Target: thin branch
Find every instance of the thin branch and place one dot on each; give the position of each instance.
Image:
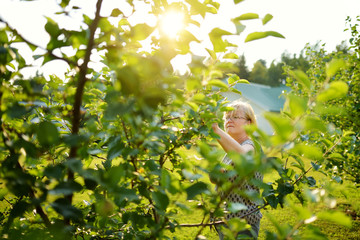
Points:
(125, 131)
(94, 155)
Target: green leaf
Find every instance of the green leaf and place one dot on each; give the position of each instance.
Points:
(232, 78)
(161, 200)
(234, 90)
(52, 28)
(211, 53)
(311, 181)
(285, 188)
(216, 39)
(247, 16)
(236, 207)
(17, 111)
(301, 77)
(141, 31)
(238, 1)
(231, 56)
(3, 37)
(313, 124)
(337, 89)
(297, 105)
(244, 81)
(218, 83)
(116, 12)
(267, 18)
(272, 200)
(281, 124)
(197, 7)
(47, 134)
(239, 27)
(258, 35)
(63, 207)
(64, 3)
(196, 189)
(308, 151)
(127, 195)
(334, 66)
(55, 172)
(66, 188)
(336, 217)
(315, 166)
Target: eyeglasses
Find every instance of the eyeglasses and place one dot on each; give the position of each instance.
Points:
(227, 118)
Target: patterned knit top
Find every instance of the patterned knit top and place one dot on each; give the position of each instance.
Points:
(234, 197)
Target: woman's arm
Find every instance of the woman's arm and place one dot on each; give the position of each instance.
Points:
(228, 143)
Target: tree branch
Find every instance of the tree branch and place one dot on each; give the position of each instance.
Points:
(50, 52)
(80, 90)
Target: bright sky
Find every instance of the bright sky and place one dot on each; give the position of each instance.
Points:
(300, 21)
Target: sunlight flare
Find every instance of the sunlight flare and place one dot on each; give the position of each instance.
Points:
(171, 23)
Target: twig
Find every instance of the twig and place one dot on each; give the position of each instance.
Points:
(50, 52)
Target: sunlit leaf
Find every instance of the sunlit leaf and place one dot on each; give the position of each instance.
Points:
(301, 77)
(218, 83)
(336, 217)
(197, 7)
(297, 105)
(337, 89)
(334, 66)
(259, 35)
(233, 78)
(116, 12)
(312, 124)
(244, 81)
(308, 151)
(231, 56)
(216, 39)
(267, 18)
(234, 90)
(282, 125)
(141, 31)
(247, 16)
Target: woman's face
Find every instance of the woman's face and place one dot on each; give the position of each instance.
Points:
(235, 122)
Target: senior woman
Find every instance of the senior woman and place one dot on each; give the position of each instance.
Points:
(235, 139)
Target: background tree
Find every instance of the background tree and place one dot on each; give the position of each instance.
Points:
(243, 71)
(275, 74)
(259, 73)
